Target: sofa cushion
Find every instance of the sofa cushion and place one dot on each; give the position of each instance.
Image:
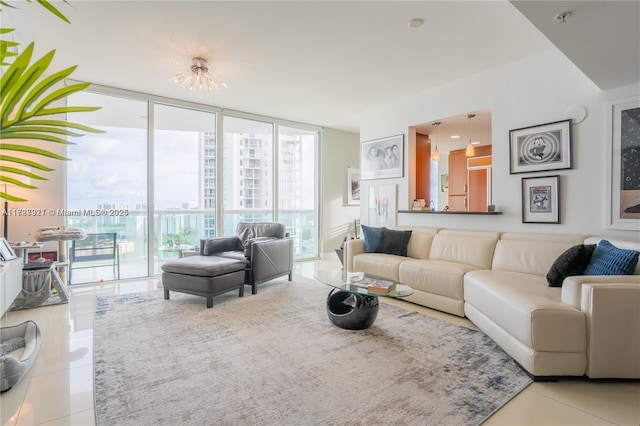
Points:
(247, 230)
(394, 242)
(607, 259)
(572, 261)
(476, 251)
(435, 276)
(527, 309)
(372, 237)
(380, 264)
(204, 266)
(531, 254)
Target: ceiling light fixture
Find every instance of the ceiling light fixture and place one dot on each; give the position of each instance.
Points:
(198, 76)
(562, 17)
(436, 153)
(470, 152)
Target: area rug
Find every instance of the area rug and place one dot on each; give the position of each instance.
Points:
(275, 359)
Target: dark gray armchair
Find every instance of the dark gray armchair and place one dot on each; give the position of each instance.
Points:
(266, 246)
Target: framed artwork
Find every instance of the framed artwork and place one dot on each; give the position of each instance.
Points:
(623, 165)
(539, 148)
(353, 186)
(444, 182)
(541, 199)
(382, 158)
(382, 205)
(6, 252)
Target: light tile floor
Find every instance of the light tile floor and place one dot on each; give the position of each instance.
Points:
(58, 390)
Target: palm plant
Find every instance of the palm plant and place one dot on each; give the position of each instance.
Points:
(30, 98)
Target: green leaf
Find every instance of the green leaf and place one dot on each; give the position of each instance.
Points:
(53, 10)
(33, 150)
(24, 161)
(59, 94)
(27, 79)
(22, 172)
(11, 77)
(10, 197)
(16, 182)
(41, 88)
(59, 123)
(37, 137)
(16, 131)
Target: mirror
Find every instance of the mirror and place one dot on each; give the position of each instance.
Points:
(458, 181)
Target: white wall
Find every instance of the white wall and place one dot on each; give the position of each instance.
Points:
(340, 150)
(536, 90)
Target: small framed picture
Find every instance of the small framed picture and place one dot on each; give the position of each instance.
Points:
(382, 158)
(540, 148)
(353, 186)
(541, 199)
(6, 252)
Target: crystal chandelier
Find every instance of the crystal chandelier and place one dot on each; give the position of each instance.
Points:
(198, 76)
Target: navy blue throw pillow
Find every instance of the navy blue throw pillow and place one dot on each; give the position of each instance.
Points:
(607, 259)
(371, 237)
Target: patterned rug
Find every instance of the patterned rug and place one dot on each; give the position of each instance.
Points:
(275, 359)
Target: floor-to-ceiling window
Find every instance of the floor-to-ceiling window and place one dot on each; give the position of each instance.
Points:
(159, 161)
(248, 169)
(107, 182)
(184, 180)
(297, 191)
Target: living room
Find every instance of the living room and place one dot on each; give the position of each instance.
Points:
(543, 87)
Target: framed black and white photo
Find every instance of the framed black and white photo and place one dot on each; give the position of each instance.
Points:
(540, 148)
(541, 199)
(382, 158)
(623, 186)
(6, 252)
(353, 186)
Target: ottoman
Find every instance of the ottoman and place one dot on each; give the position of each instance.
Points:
(205, 276)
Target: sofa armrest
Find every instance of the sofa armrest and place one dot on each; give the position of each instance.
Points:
(211, 246)
(572, 286)
(352, 248)
(271, 258)
(613, 330)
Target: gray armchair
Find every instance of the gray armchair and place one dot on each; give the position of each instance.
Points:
(266, 247)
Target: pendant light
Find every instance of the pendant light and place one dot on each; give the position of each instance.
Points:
(470, 152)
(436, 153)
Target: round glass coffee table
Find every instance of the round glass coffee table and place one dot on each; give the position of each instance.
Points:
(351, 306)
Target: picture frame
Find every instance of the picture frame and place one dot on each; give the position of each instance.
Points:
(623, 164)
(353, 186)
(6, 252)
(382, 158)
(539, 148)
(541, 199)
(382, 205)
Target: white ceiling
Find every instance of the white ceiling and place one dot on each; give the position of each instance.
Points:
(318, 62)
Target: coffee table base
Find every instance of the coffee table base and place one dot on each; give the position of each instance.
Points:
(351, 311)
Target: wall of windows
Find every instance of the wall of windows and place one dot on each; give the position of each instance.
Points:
(183, 172)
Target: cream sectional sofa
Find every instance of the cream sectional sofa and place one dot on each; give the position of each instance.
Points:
(590, 326)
